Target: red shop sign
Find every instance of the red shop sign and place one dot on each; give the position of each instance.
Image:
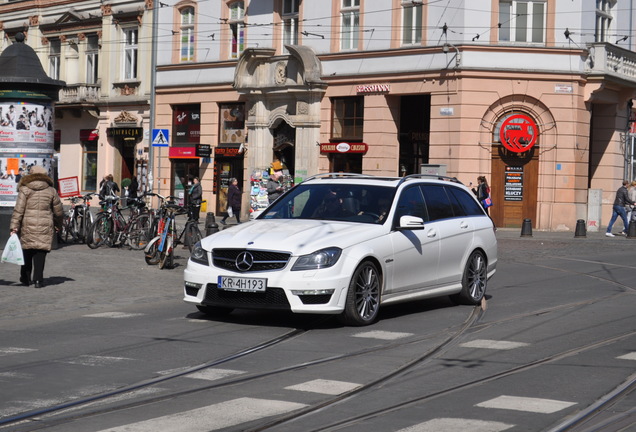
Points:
(343, 147)
(518, 133)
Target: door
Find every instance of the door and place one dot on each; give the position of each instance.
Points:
(183, 171)
(514, 185)
(225, 169)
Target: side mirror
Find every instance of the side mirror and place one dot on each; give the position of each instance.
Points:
(410, 223)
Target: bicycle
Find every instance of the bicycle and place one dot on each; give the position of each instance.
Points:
(160, 249)
(112, 229)
(78, 219)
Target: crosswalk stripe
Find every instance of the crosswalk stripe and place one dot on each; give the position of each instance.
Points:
(322, 386)
(213, 374)
(457, 424)
(115, 315)
(493, 344)
(14, 350)
(630, 356)
(213, 417)
(91, 360)
(535, 405)
(380, 334)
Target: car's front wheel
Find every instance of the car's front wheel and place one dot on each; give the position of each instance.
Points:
(363, 297)
(474, 280)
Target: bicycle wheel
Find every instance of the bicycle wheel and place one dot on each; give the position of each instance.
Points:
(192, 236)
(152, 256)
(165, 256)
(88, 223)
(137, 233)
(100, 232)
(66, 233)
(79, 227)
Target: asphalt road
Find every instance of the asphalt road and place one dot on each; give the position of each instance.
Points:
(108, 345)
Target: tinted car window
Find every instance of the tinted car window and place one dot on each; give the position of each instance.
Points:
(458, 210)
(470, 206)
(437, 202)
(411, 203)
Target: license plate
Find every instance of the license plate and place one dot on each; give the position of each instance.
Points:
(231, 283)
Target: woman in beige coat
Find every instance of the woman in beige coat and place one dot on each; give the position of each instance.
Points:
(37, 215)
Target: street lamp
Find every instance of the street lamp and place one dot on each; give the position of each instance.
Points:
(446, 48)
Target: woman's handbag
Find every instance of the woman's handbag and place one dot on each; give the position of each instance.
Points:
(487, 202)
(12, 252)
(230, 212)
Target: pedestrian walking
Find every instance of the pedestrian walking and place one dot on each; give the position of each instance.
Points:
(618, 209)
(482, 192)
(108, 187)
(234, 201)
(196, 198)
(37, 215)
(274, 187)
(631, 193)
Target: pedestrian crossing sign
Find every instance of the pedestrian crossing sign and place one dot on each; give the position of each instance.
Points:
(160, 137)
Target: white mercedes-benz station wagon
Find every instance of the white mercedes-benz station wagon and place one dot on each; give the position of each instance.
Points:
(347, 244)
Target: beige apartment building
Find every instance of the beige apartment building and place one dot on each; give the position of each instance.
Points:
(102, 51)
(535, 95)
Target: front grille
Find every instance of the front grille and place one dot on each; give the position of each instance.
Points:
(272, 298)
(315, 299)
(263, 260)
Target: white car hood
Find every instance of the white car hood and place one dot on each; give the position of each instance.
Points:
(296, 236)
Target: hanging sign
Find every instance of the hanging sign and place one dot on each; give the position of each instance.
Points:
(518, 133)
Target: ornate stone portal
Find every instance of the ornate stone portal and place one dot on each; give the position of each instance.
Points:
(282, 93)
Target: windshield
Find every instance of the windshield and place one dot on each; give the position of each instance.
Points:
(340, 202)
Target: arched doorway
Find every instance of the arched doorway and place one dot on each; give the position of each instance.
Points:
(284, 146)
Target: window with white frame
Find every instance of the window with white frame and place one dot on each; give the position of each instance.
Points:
(55, 51)
(237, 26)
(186, 32)
(411, 22)
(350, 12)
(130, 53)
(92, 59)
(290, 22)
(604, 15)
(522, 21)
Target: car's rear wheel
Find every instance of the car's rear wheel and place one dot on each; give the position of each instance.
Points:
(474, 280)
(214, 310)
(363, 297)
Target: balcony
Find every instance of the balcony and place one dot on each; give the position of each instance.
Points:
(609, 61)
(80, 93)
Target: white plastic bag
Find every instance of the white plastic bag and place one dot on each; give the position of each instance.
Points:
(12, 252)
(230, 212)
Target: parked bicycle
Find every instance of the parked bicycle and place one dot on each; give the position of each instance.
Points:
(160, 249)
(77, 220)
(112, 229)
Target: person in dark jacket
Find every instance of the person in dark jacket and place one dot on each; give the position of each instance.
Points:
(108, 187)
(37, 215)
(196, 197)
(482, 192)
(234, 200)
(618, 209)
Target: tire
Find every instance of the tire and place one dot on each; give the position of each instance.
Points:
(138, 233)
(363, 297)
(88, 223)
(214, 310)
(165, 256)
(100, 232)
(192, 236)
(152, 256)
(474, 280)
(66, 233)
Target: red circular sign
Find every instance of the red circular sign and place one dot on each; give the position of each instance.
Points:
(518, 133)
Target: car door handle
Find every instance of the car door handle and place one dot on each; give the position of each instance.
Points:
(431, 234)
(463, 225)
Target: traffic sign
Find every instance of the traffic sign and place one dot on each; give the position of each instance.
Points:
(160, 137)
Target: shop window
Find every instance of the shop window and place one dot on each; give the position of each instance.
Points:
(411, 23)
(348, 118)
(290, 22)
(522, 21)
(130, 53)
(186, 32)
(92, 59)
(55, 50)
(89, 166)
(237, 26)
(350, 24)
(604, 16)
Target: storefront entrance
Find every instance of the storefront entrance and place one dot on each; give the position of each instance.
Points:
(228, 163)
(183, 171)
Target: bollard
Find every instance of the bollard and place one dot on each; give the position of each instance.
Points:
(526, 228)
(580, 229)
(211, 226)
(631, 231)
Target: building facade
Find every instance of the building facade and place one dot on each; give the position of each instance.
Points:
(102, 50)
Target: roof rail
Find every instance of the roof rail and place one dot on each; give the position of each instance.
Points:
(334, 175)
(436, 176)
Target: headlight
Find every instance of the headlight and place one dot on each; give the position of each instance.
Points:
(199, 255)
(318, 260)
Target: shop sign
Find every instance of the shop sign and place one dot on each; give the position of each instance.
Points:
(513, 184)
(518, 133)
(186, 125)
(68, 187)
(182, 152)
(227, 152)
(125, 132)
(89, 134)
(343, 147)
(204, 150)
(373, 88)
